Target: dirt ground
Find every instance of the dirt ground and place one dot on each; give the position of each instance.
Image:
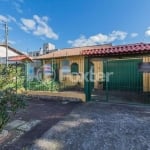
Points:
(100, 126)
(128, 97)
(76, 126)
(49, 112)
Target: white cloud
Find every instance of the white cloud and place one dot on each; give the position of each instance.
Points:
(24, 28)
(133, 35)
(11, 42)
(11, 18)
(7, 18)
(45, 18)
(17, 7)
(28, 24)
(98, 39)
(2, 40)
(38, 26)
(3, 18)
(147, 32)
(17, 4)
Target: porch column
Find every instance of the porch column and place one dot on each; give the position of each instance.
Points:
(42, 63)
(87, 89)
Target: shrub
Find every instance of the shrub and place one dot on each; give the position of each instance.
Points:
(43, 85)
(10, 101)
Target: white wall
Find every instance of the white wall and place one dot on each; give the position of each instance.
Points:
(48, 46)
(10, 52)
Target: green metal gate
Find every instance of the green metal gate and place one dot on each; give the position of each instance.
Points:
(124, 84)
(125, 75)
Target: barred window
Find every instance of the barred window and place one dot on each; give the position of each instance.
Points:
(65, 67)
(74, 68)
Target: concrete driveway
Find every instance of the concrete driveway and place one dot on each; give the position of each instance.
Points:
(100, 126)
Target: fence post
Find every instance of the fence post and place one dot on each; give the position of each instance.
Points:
(26, 75)
(42, 63)
(16, 77)
(106, 61)
(87, 88)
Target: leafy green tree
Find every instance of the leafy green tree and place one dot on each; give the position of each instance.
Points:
(10, 101)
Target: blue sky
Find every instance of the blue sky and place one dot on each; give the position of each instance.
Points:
(70, 23)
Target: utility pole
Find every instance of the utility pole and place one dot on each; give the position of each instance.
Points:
(6, 42)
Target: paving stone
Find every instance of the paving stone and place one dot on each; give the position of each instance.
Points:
(3, 134)
(27, 126)
(14, 124)
(65, 102)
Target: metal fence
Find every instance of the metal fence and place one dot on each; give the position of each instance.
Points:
(49, 77)
(119, 80)
(123, 80)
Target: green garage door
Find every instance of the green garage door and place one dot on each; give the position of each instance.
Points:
(125, 75)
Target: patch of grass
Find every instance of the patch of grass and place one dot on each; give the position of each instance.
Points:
(43, 86)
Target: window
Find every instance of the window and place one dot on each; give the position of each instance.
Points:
(74, 68)
(37, 54)
(65, 67)
(144, 67)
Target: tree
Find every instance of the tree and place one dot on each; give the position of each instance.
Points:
(10, 101)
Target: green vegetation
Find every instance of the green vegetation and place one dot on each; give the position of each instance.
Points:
(43, 85)
(10, 101)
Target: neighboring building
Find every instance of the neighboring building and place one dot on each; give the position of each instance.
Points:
(35, 53)
(11, 53)
(35, 68)
(47, 48)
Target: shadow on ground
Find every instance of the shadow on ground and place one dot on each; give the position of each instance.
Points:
(49, 112)
(99, 126)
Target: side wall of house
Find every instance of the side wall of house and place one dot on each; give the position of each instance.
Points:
(98, 73)
(146, 77)
(70, 79)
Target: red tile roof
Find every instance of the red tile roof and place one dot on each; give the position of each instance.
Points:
(76, 51)
(138, 48)
(20, 58)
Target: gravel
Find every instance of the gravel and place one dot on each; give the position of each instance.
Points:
(100, 126)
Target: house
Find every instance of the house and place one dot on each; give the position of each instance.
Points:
(101, 68)
(127, 62)
(68, 64)
(12, 52)
(34, 67)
